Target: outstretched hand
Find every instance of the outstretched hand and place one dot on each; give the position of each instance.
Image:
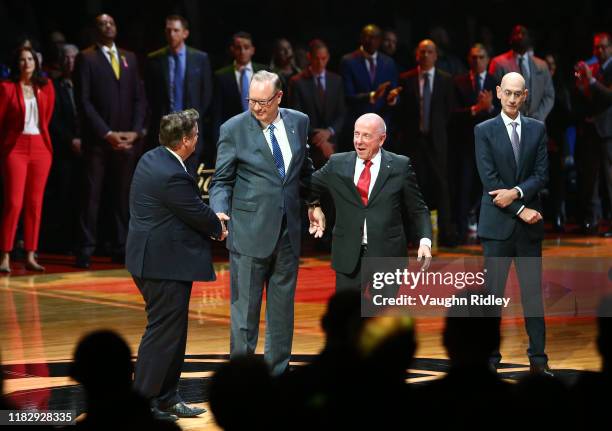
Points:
(317, 222)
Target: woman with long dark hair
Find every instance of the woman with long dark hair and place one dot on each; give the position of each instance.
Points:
(26, 106)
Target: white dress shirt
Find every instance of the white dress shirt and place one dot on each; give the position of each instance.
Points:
(177, 157)
(238, 72)
(431, 73)
(508, 123)
(374, 170)
(30, 126)
(108, 51)
(283, 140)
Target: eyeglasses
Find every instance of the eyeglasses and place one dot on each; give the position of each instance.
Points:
(262, 103)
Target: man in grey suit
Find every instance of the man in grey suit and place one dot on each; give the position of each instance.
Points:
(541, 93)
(262, 157)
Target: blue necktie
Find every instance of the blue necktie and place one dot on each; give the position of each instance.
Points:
(277, 153)
(178, 84)
(244, 89)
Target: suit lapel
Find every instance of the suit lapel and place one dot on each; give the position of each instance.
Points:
(383, 175)
(164, 64)
(524, 142)
(104, 64)
(259, 139)
(290, 129)
(187, 80)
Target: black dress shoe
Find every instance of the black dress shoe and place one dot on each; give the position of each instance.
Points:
(590, 228)
(558, 224)
(541, 369)
(82, 261)
(163, 416)
(182, 410)
(607, 234)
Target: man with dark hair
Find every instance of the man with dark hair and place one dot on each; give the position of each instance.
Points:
(535, 71)
(178, 77)
(318, 93)
(168, 247)
(112, 106)
(232, 81)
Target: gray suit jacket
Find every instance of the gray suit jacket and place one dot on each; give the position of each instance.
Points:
(541, 91)
(247, 187)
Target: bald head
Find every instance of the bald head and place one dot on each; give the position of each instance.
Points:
(426, 54)
(371, 38)
(512, 93)
(369, 135)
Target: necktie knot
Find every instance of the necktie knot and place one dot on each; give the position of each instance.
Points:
(514, 124)
(272, 127)
(367, 163)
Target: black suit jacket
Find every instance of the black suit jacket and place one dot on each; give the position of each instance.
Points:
(227, 101)
(325, 113)
(498, 170)
(465, 96)
(170, 226)
(395, 201)
(104, 102)
(408, 111)
(198, 83)
(64, 126)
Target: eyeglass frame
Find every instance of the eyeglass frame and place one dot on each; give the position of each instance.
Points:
(263, 103)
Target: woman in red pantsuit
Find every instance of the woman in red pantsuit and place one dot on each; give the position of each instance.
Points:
(26, 105)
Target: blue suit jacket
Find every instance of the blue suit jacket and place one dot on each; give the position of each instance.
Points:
(357, 84)
(170, 226)
(247, 187)
(498, 170)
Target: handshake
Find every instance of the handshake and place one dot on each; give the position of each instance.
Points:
(223, 218)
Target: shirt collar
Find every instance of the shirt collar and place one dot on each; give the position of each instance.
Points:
(177, 157)
(314, 75)
(369, 56)
(180, 53)
(375, 160)
(431, 72)
(106, 49)
(248, 66)
(276, 121)
(508, 120)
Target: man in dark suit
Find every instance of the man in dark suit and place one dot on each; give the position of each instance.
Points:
(232, 81)
(168, 248)
(535, 71)
(368, 76)
(262, 158)
(512, 163)
(318, 93)
(595, 150)
(178, 77)
(473, 104)
(65, 177)
(111, 102)
(422, 116)
(376, 196)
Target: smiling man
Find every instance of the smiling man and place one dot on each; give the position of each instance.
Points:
(376, 196)
(262, 157)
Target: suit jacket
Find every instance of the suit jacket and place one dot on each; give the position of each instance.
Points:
(104, 102)
(227, 101)
(12, 114)
(465, 97)
(408, 111)
(198, 85)
(64, 126)
(541, 91)
(303, 97)
(170, 226)
(246, 184)
(601, 107)
(498, 170)
(357, 84)
(394, 202)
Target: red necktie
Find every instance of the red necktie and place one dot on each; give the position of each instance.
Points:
(363, 185)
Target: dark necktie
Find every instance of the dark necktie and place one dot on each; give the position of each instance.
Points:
(426, 103)
(477, 84)
(363, 185)
(244, 89)
(514, 140)
(277, 153)
(177, 100)
(372, 69)
(320, 89)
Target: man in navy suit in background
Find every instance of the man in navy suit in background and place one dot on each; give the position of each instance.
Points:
(168, 248)
(368, 76)
(512, 163)
(178, 77)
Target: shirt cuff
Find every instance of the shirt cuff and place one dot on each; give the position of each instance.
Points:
(331, 130)
(520, 209)
(592, 80)
(425, 241)
(520, 191)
